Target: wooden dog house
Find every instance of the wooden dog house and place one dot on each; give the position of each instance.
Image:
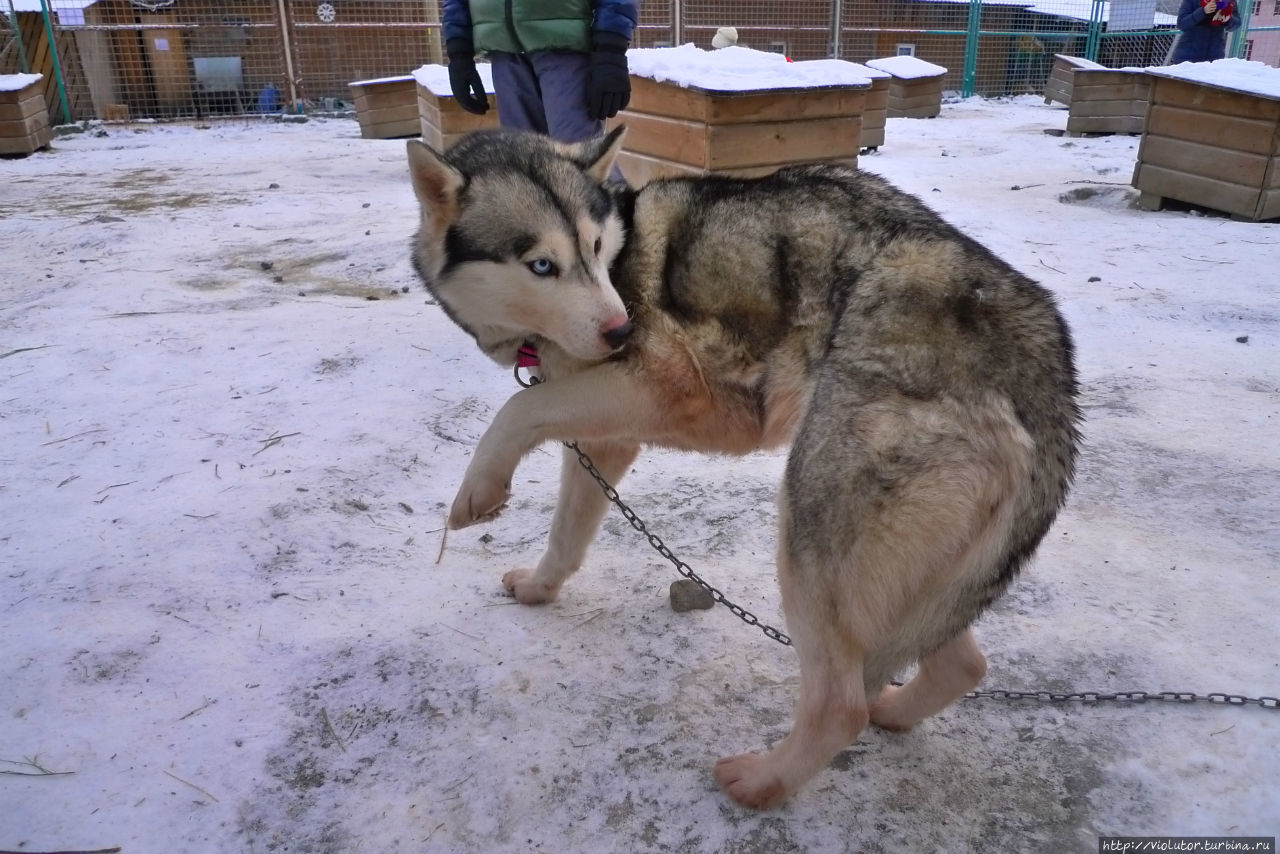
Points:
(915, 90)
(24, 118)
(1212, 138)
(442, 121)
(387, 108)
(1061, 80)
(1106, 100)
(737, 111)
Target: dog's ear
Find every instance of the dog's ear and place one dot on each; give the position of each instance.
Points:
(435, 182)
(596, 156)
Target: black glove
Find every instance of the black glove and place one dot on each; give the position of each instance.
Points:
(608, 84)
(464, 80)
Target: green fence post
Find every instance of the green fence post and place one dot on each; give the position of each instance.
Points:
(57, 64)
(17, 37)
(1094, 39)
(1239, 38)
(968, 82)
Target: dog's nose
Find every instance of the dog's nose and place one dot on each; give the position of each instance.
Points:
(618, 335)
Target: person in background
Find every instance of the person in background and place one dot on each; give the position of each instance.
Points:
(559, 66)
(1203, 26)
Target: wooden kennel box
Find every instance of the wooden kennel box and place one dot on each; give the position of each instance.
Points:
(387, 108)
(1105, 100)
(442, 121)
(24, 118)
(1211, 145)
(915, 86)
(1062, 77)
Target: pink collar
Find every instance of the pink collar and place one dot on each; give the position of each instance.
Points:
(527, 357)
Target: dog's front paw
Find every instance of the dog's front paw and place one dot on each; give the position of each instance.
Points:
(751, 781)
(479, 500)
(524, 586)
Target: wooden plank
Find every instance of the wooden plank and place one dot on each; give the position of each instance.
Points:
(1120, 107)
(872, 136)
(14, 128)
(926, 86)
(787, 107)
(1195, 96)
(392, 130)
(385, 94)
(445, 114)
(1197, 190)
(670, 138)
(1257, 136)
(878, 95)
(923, 99)
(1104, 124)
(397, 113)
(1269, 206)
(1103, 89)
(26, 144)
(738, 146)
(667, 99)
(1193, 158)
(32, 105)
(640, 169)
(18, 96)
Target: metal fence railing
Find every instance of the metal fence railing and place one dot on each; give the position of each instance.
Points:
(185, 58)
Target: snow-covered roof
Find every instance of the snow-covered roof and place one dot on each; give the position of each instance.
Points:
(1238, 75)
(907, 67)
(17, 82)
(741, 69)
(435, 78)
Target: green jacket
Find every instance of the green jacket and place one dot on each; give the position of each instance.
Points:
(523, 26)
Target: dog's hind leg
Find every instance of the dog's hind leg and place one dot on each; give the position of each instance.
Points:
(945, 675)
(831, 708)
(581, 506)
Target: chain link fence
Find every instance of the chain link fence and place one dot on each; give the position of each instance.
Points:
(135, 59)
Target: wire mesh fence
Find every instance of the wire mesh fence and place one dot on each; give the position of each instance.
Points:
(131, 59)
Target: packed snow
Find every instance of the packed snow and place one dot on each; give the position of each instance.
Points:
(907, 67)
(232, 420)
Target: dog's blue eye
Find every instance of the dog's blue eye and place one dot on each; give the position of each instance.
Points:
(542, 267)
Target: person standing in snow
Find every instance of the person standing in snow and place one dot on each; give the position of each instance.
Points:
(1204, 25)
(559, 66)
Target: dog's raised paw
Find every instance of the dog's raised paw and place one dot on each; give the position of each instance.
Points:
(476, 504)
(520, 583)
(749, 781)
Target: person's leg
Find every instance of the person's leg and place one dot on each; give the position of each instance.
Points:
(515, 83)
(562, 78)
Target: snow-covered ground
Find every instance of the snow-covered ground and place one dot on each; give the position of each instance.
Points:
(230, 422)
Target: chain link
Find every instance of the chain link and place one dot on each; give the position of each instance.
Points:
(661, 548)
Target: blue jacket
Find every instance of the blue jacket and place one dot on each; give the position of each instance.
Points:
(528, 25)
(1199, 40)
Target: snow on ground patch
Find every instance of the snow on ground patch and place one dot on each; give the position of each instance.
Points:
(229, 436)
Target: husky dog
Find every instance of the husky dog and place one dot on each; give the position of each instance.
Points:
(927, 391)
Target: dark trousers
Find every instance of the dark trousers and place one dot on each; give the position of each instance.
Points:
(545, 91)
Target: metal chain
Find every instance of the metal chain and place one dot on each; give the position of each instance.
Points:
(1087, 698)
(661, 548)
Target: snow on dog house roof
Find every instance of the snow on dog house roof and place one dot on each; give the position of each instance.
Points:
(741, 69)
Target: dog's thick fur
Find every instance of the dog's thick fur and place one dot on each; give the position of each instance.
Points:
(927, 391)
